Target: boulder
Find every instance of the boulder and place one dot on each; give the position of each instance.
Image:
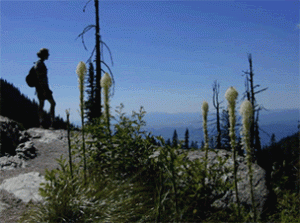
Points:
(47, 135)
(25, 186)
(10, 134)
(261, 192)
(26, 150)
(11, 162)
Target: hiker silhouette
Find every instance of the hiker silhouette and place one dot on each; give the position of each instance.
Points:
(42, 87)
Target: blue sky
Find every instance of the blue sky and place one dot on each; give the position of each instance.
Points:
(166, 54)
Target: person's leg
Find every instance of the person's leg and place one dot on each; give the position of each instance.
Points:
(41, 106)
(52, 110)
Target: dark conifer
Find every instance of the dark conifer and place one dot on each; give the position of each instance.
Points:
(175, 139)
(90, 90)
(186, 139)
(168, 142)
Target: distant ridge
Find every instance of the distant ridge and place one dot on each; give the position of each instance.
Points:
(281, 122)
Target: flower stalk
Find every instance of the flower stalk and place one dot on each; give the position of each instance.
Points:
(204, 114)
(81, 71)
(69, 141)
(246, 111)
(231, 96)
(106, 83)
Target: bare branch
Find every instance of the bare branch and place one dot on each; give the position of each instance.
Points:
(86, 29)
(86, 5)
(90, 58)
(112, 63)
(260, 90)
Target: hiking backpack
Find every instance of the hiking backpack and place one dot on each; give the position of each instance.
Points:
(31, 78)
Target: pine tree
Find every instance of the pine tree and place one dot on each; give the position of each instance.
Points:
(272, 140)
(196, 145)
(186, 141)
(202, 145)
(168, 142)
(192, 145)
(90, 89)
(225, 138)
(175, 139)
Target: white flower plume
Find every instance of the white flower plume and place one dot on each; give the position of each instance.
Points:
(231, 94)
(106, 81)
(205, 107)
(81, 69)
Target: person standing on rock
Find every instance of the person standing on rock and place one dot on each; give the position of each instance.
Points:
(42, 87)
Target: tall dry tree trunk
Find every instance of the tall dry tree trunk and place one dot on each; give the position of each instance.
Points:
(254, 129)
(98, 63)
(216, 103)
(252, 100)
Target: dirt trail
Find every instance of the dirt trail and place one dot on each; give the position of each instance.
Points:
(50, 145)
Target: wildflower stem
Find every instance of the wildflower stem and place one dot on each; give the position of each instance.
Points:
(231, 96)
(69, 142)
(204, 114)
(81, 71)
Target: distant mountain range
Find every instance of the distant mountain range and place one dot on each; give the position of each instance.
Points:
(282, 123)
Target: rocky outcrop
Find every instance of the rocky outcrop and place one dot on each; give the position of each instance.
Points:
(25, 186)
(261, 192)
(15, 145)
(10, 136)
(46, 135)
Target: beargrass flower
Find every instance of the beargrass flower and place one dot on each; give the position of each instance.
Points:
(231, 96)
(81, 71)
(106, 83)
(246, 112)
(204, 114)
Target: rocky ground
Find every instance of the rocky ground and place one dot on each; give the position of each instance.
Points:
(50, 145)
(21, 174)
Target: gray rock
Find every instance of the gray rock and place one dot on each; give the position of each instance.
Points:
(24, 186)
(15, 145)
(11, 162)
(10, 134)
(26, 150)
(3, 206)
(261, 192)
(46, 135)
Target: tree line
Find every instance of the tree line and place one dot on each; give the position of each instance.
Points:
(18, 107)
